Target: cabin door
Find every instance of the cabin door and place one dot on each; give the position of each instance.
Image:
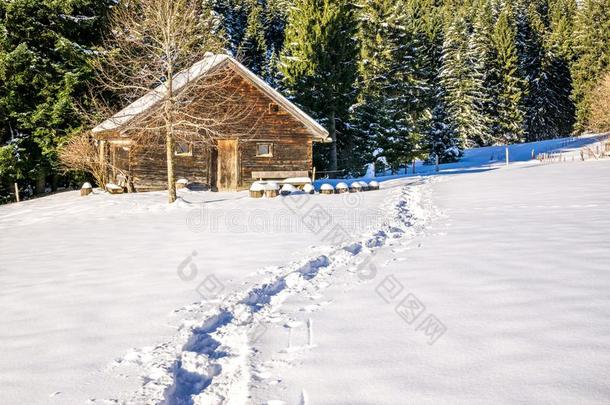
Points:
(120, 163)
(228, 168)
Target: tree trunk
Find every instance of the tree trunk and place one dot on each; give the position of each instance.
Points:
(54, 182)
(101, 177)
(41, 182)
(332, 131)
(170, 141)
(171, 177)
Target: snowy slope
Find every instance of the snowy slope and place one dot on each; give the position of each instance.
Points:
(514, 270)
(226, 299)
(90, 286)
(494, 156)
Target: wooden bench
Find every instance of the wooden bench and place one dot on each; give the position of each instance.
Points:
(296, 177)
(279, 175)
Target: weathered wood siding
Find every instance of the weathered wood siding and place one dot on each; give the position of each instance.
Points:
(288, 155)
(292, 141)
(149, 167)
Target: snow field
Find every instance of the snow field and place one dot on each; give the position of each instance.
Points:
(316, 298)
(515, 269)
(96, 281)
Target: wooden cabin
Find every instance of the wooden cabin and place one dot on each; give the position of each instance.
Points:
(281, 147)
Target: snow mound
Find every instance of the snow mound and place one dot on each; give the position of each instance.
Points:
(257, 186)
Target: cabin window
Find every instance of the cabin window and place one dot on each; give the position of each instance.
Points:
(183, 149)
(264, 149)
(274, 108)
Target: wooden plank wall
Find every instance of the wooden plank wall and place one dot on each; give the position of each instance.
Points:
(288, 155)
(292, 141)
(149, 167)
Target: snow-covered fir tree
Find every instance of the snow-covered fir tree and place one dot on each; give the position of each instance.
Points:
(553, 111)
(252, 50)
(441, 139)
(559, 44)
(318, 65)
(538, 70)
(45, 50)
(402, 77)
(485, 66)
(510, 116)
(254, 30)
(591, 44)
(370, 118)
(463, 79)
(234, 20)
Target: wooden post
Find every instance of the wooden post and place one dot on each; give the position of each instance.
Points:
(436, 164)
(309, 332)
(17, 192)
(102, 160)
(507, 157)
(413, 166)
(313, 175)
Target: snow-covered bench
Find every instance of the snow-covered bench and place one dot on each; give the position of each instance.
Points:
(294, 177)
(280, 174)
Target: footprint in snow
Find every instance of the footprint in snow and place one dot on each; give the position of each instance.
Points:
(310, 308)
(263, 375)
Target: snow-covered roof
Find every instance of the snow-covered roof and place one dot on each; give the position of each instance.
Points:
(209, 63)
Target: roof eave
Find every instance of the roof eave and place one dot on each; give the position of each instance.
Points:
(320, 134)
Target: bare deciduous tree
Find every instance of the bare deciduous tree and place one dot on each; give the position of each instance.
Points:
(80, 153)
(600, 106)
(160, 50)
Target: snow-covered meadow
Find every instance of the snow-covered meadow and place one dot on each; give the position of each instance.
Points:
(483, 284)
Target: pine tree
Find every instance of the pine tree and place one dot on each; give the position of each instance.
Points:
(485, 66)
(371, 116)
(558, 42)
(441, 138)
(536, 67)
(234, 20)
(276, 15)
(394, 109)
(591, 39)
(254, 30)
(463, 80)
(44, 53)
(253, 47)
(562, 14)
(510, 97)
(412, 92)
(318, 64)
